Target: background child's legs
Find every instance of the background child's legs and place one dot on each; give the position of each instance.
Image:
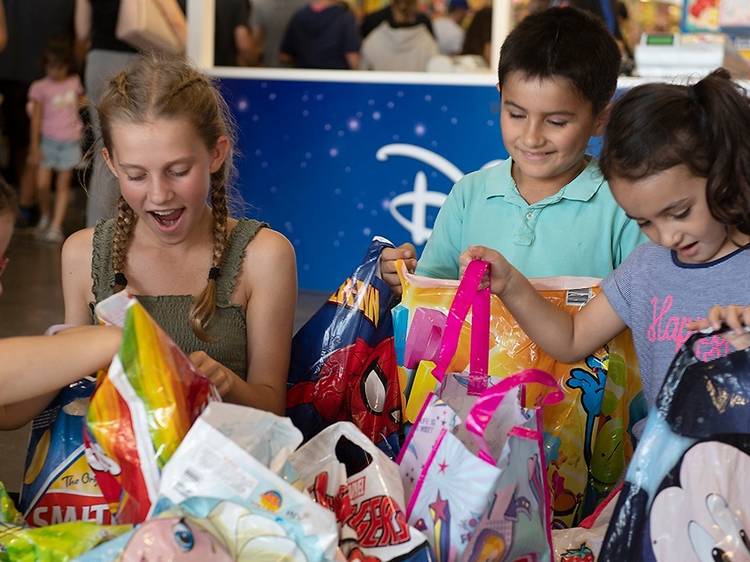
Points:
(44, 195)
(62, 157)
(62, 199)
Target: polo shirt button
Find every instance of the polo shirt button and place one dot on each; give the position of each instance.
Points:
(530, 215)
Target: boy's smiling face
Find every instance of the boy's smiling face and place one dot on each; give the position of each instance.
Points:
(546, 125)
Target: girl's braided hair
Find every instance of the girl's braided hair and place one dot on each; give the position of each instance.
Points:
(159, 86)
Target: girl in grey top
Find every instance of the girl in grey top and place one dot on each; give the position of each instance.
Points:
(677, 159)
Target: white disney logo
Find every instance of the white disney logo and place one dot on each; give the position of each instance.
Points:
(420, 197)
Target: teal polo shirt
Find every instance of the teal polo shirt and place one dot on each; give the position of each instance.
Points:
(580, 230)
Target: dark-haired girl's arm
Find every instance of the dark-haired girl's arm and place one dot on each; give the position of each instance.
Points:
(565, 337)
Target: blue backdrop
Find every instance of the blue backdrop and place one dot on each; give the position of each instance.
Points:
(331, 164)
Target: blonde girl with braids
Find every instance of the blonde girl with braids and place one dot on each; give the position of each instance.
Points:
(224, 289)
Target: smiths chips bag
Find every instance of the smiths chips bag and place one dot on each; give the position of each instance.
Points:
(141, 410)
(58, 484)
(586, 434)
(343, 365)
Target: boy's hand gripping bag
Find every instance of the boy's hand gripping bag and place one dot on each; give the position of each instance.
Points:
(58, 484)
(587, 438)
(348, 475)
(686, 497)
(474, 468)
(141, 409)
(343, 364)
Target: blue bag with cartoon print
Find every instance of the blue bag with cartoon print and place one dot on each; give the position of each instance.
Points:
(343, 361)
(686, 497)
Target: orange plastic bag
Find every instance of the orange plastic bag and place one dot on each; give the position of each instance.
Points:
(587, 437)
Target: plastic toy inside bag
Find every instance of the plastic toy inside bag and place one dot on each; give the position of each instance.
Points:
(343, 363)
(348, 475)
(587, 437)
(207, 529)
(142, 408)
(55, 543)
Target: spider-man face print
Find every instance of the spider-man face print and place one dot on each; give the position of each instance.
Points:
(358, 383)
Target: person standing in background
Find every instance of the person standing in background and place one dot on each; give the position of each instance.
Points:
(268, 21)
(234, 44)
(401, 42)
(95, 23)
(448, 29)
(31, 25)
(323, 34)
(55, 136)
(374, 19)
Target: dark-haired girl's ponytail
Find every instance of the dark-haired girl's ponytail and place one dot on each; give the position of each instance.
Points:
(723, 110)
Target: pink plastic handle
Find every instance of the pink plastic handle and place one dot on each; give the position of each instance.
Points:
(490, 400)
(467, 296)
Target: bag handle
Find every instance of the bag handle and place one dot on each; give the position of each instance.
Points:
(683, 359)
(467, 296)
(489, 401)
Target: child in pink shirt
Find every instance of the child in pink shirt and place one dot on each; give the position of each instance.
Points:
(55, 136)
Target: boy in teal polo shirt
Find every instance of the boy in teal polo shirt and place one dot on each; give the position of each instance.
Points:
(547, 208)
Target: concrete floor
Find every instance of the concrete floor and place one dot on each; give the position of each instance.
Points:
(32, 301)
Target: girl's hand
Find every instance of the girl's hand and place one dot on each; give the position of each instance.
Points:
(501, 272)
(223, 378)
(736, 317)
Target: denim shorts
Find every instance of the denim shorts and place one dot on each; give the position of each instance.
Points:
(60, 155)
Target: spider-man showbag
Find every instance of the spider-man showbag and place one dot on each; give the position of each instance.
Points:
(343, 365)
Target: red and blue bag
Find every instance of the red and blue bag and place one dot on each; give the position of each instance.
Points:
(343, 363)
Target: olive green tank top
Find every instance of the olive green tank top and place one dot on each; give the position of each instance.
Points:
(227, 329)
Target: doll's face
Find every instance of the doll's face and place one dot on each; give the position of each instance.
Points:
(176, 540)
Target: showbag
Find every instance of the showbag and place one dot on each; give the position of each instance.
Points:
(343, 364)
(347, 474)
(473, 464)
(588, 439)
(141, 409)
(59, 486)
(211, 530)
(686, 497)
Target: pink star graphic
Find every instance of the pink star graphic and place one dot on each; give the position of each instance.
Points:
(440, 509)
(443, 465)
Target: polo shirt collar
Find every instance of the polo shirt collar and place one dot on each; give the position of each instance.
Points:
(583, 187)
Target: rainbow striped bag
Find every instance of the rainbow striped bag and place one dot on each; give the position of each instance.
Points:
(141, 409)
